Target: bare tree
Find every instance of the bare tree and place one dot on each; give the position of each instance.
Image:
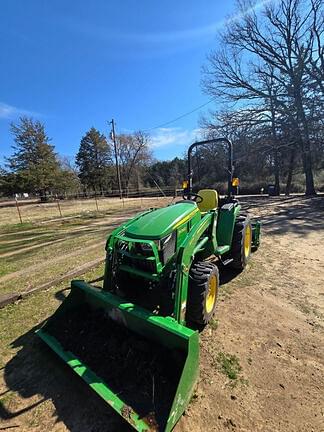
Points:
(133, 153)
(266, 61)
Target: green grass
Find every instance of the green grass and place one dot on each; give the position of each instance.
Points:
(229, 365)
(43, 263)
(16, 227)
(17, 318)
(24, 363)
(5, 269)
(213, 323)
(22, 243)
(48, 272)
(74, 208)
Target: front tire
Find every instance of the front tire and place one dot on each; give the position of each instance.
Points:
(241, 243)
(202, 292)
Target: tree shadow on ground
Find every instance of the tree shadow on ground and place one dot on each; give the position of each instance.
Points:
(36, 371)
(301, 216)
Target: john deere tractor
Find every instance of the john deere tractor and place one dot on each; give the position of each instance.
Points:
(161, 284)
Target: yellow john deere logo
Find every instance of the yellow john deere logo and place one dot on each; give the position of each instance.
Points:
(185, 219)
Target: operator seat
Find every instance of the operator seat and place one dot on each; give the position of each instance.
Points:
(210, 200)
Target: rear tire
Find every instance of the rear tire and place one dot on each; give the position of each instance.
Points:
(241, 243)
(202, 292)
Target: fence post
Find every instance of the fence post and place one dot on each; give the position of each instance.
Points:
(18, 210)
(96, 201)
(59, 207)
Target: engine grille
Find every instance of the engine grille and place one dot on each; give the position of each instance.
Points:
(140, 264)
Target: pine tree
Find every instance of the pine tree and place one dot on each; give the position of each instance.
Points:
(94, 160)
(34, 160)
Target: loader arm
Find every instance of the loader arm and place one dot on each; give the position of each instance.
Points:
(187, 251)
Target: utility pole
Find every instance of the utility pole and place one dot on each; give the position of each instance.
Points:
(113, 137)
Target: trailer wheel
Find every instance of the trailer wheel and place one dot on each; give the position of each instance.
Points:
(241, 243)
(202, 292)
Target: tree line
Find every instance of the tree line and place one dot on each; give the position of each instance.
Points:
(35, 167)
(267, 80)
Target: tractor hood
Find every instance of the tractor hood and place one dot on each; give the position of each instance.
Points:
(161, 222)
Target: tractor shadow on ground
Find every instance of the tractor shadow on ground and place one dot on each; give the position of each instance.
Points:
(227, 274)
(35, 372)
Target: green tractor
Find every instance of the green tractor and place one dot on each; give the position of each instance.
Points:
(136, 341)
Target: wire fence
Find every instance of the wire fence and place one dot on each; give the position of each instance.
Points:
(36, 209)
(112, 193)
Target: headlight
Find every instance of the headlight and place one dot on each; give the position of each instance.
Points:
(165, 240)
(160, 244)
(168, 245)
(122, 245)
(145, 247)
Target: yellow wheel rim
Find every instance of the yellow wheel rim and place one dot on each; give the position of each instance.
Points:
(211, 296)
(247, 241)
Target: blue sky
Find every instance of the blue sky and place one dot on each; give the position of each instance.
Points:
(77, 64)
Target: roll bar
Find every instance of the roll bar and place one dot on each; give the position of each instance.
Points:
(230, 167)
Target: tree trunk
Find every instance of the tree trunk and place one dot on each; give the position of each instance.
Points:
(310, 188)
(137, 181)
(305, 144)
(275, 146)
(277, 174)
(290, 170)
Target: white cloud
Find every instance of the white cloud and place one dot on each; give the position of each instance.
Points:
(190, 35)
(253, 8)
(174, 137)
(11, 112)
(198, 33)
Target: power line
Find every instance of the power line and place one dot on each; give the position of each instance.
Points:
(181, 116)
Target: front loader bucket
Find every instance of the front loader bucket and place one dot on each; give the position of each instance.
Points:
(144, 366)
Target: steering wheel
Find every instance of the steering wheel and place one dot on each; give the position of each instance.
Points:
(193, 197)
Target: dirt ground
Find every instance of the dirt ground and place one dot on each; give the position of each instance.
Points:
(272, 321)
(262, 357)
